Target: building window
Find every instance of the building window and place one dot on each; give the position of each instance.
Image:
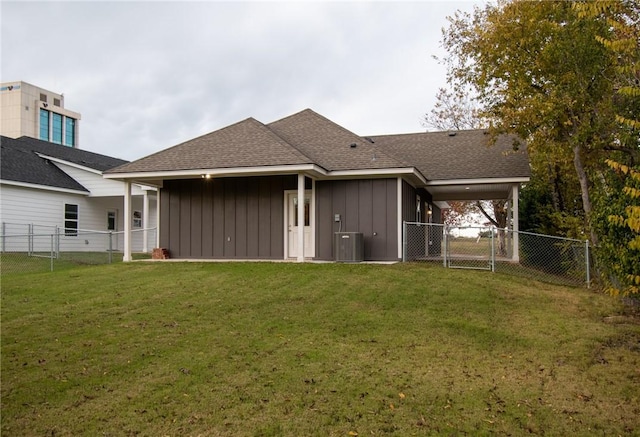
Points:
(418, 209)
(307, 216)
(56, 131)
(70, 219)
(44, 124)
(69, 132)
(43, 97)
(56, 102)
(137, 219)
(112, 221)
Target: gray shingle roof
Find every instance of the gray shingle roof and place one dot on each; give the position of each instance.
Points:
(465, 154)
(20, 162)
(248, 143)
(330, 145)
(309, 138)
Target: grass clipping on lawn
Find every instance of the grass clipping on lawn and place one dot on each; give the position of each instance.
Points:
(259, 349)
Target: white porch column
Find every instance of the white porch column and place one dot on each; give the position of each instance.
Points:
(300, 218)
(157, 217)
(399, 215)
(312, 216)
(126, 256)
(145, 221)
(515, 194)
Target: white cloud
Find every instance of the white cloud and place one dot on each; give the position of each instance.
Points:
(148, 75)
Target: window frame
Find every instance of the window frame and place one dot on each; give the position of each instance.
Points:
(71, 231)
(57, 128)
(69, 131)
(137, 219)
(45, 114)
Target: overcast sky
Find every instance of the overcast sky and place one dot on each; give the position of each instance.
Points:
(148, 75)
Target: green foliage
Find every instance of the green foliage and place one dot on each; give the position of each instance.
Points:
(618, 221)
(618, 206)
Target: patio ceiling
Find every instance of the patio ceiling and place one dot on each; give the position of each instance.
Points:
(464, 190)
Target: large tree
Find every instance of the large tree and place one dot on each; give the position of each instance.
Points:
(539, 72)
(617, 207)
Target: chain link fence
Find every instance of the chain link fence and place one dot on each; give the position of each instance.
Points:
(28, 248)
(558, 260)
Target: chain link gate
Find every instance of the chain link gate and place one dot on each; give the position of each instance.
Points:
(465, 250)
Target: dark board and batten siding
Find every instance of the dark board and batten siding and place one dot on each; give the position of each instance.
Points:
(368, 206)
(230, 218)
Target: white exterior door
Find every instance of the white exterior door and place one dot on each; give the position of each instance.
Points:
(293, 222)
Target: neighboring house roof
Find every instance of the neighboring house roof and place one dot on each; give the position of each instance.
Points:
(24, 160)
(467, 154)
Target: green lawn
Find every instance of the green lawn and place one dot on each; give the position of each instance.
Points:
(270, 349)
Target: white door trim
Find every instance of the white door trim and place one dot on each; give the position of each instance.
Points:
(312, 218)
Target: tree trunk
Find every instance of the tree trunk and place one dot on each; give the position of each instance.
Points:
(584, 190)
(499, 221)
(555, 189)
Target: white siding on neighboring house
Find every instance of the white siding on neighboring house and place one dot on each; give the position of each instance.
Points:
(93, 181)
(43, 208)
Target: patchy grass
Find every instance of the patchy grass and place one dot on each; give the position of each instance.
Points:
(22, 262)
(261, 349)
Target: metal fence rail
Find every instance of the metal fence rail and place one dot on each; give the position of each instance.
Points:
(34, 250)
(544, 257)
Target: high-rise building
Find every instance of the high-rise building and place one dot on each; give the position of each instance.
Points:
(27, 110)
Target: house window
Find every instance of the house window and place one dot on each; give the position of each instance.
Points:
(56, 131)
(418, 209)
(70, 219)
(112, 221)
(307, 220)
(137, 219)
(69, 132)
(44, 124)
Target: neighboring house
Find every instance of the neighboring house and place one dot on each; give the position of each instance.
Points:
(44, 186)
(281, 190)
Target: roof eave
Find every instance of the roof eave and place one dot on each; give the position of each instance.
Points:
(474, 181)
(215, 172)
(69, 163)
(311, 170)
(43, 187)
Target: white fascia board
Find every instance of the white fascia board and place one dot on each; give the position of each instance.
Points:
(311, 169)
(70, 164)
(378, 172)
(43, 187)
(218, 172)
(478, 181)
(146, 187)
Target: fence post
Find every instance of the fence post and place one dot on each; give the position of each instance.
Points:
(404, 241)
(57, 242)
(110, 247)
(52, 246)
(444, 245)
(493, 251)
(29, 239)
(586, 255)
